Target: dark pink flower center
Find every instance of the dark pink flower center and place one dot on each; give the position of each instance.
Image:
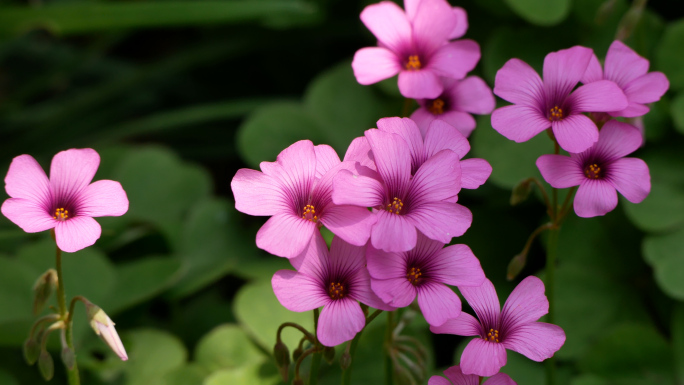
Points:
(556, 114)
(396, 206)
(414, 276)
(436, 107)
(492, 335)
(309, 213)
(61, 214)
(336, 290)
(413, 63)
(593, 171)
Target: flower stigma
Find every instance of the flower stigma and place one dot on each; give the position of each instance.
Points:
(309, 213)
(396, 206)
(336, 290)
(592, 171)
(493, 335)
(61, 214)
(437, 107)
(556, 114)
(414, 276)
(413, 63)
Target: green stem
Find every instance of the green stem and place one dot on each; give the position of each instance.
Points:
(388, 346)
(550, 294)
(316, 358)
(346, 374)
(72, 374)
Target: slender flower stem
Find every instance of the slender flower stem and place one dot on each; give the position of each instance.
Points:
(566, 205)
(317, 353)
(388, 347)
(542, 190)
(550, 294)
(306, 333)
(72, 374)
(346, 374)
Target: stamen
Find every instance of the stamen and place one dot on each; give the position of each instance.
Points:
(336, 290)
(592, 171)
(492, 336)
(309, 213)
(414, 276)
(413, 63)
(437, 107)
(61, 214)
(396, 206)
(556, 114)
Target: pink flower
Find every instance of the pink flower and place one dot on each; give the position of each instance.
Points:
(512, 328)
(405, 202)
(66, 202)
(335, 280)
(296, 192)
(629, 71)
(104, 327)
(416, 46)
(459, 99)
(460, 28)
(457, 377)
(539, 104)
(601, 170)
(397, 278)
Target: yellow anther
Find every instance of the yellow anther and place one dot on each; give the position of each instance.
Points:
(437, 107)
(309, 213)
(396, 206)
(413, 63)
(61, 214)
(414, 276)
(492, 336)
(592, 171)
(556, 114)
(336, 290)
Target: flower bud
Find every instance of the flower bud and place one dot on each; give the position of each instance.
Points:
(520, 192)
(104, 327)
(46, 365)
(45, 285)
(345, 360)
(515, 266)
(282, 357)
(297, 353)
(329, 354)
(31, 351)
(68, 357)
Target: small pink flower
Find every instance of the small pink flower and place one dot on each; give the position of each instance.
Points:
(552, 102)
(424, 272)
(459, 99)
(457, 377)
(414, 45)
(336, 280)
(66, 202)
(296, 192)
(411, 6)
(513, 328)
(629, 71)
(601, 170)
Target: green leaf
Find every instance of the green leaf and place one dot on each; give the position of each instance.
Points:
(677, 111)
(246, 375)
(541, 12)
(666, 254)
(226, 347)
(151, 355)
(662, 210)
(589, 379)
(16, 283)
(274, 127)
(669, 57)
(260, 314)
(190, 374)
(678, 340)
(7, 379)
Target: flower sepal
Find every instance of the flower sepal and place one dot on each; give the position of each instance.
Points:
(45, 285)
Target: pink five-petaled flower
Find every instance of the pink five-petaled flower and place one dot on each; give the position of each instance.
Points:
(512, 328)
(459, 99)
(418, 49)
(629, 71)
(406, 202)
(335, 280)
(601, 170)
(296, 192)
(397, 278)
(457, 377)
(539, 104)
(411, 6)
(66, 202)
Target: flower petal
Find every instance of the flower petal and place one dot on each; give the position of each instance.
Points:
(420, 84)
(357, 190)
(351, 223)
(519, 83)
(71, 171)
(102, 199)
(483, 358)
(519, 122)
(285, 235)
(77, 233)
(373, 64)
(631, 178)
(500, 379)
(527, 303)
(536, 341)
(360, 151)
(461, 121)
(441, 136)
(26, 179)
(473, 95)
(438, 178)
(599, 96)
(560, 171)
(340, 320)
(393, 160)
(455, 59)
(575, 133)
(594, 197)
(438, 303)
(397, 292)
(326, 159)
(258, 194)
(564, 69)
(616, 140)
(409, 131)
(363, 293)
(456, 376)
(389, 24)
(457, 265)
(386, 265)
(393, 232)
(298, 292)
(484, 301)
(441, 221)
(461, 23)
(437, 380)
(463, 325)
(623, 64)
(648, 88)
(474, 172)
(433, 22)
(594, 71)
(28, 214)
(345, 257)
(313, 261)
(423, 118)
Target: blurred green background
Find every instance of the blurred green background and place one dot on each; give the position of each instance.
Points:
(176, 96)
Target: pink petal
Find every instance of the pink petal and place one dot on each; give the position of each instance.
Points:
(285, 235)
(633, 110)
(456, 376)
(564, 69)
(392, 158)
(484, 301)
(474, 172)
(28, 214)
(438, 178)
(384, 265)
(457, 265)
(409, 131)
(295, 166)
(519, 83)
(594, 197)
(461, 121)
(616, 140)
(575, 133)
(599, 96)
(442, 136)
(594, 71)
(500, 379)
(483, 358)
(631, 178)
(519, 122)
(351, 223)
(527, 303)
(345, 256)
(433, 22)
(438, 303)
(441, 221)
(388, 23)
(360, 151)
(420, 84)
(623, 64)
(357, 190)
(298, 292)
(463, 325)
(397, 292)
(560, 171)
(536, 341)
(313, 261)
(258, 194)
(71, 171)
(363, 293)
(393, 232)
(26, 179)
(455, 59)
(373, 64)
(340, 320)
(461, 23)
(473, 95)
(102, 199)
(411, 6)
(648, 88)
(423, 118)
(437, 380)
(77, 233)
(326, 159)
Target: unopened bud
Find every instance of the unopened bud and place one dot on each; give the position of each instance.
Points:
(282, 356)
(68, 357)
(45, 285)
(329, 354)
(104, 327)
(46, 365)
(345, 360)
(297, 353)
(520, 192)
(515, 266)
(31, 351)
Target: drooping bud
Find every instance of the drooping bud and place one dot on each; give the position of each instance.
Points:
(520, 192)
(297, 353)
(515, 266)
(31, 351)
(329, 354)
(45, 285)
(104, 327)
(345, 360)
(282, 356)
(68, 357)
(46, 365)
